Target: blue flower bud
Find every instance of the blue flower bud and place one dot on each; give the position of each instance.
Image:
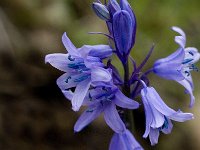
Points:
(126, 6)
(101, 11)
(113, 6)
(123, 31)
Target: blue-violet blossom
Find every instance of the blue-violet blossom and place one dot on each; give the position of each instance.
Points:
(105, 99)
(178, 65)
(159, 115)
(83, 67)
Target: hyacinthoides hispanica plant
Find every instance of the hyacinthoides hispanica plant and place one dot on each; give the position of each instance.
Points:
(89, 82)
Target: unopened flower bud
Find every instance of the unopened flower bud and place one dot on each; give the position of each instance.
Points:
(101, 11)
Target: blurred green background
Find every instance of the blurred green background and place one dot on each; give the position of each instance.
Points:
(34, 114)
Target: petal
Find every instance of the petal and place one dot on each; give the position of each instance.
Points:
(122, 101)
(69, 45)
(169, 127)
(116, 143)
(68, 94)
(181, 117)
(100, 76)
(124, 141)
(80, 93)
(189, 87)
(158, 103)
(58, 60)
(157, 117)
(87, 117)
(148, 113)
(101, 51)
(91, 62)
(153, 136)
(191, 53)
(123, 31)
(113, 119)
(66, 81)
(170, 67)
(181, 40)
(131, 142)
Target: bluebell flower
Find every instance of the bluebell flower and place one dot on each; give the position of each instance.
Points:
(124, 141)
(83, 67)
(104, 100)
(159, 115)
(122, 27)
(178, 65)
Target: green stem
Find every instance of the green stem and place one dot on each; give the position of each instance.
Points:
(126, 90)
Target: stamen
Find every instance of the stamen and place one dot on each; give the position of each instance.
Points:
(81, 78)
(89, 110)
(166, 124)
(78, 65)
(70, 58)
(90, 97)
(193, 67)
(187, 73)
(191, 53)
(185, 61)
(67, 80)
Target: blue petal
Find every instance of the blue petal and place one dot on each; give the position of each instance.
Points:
(157, 117)
(193, 54)
(170, 67)
(122, 101)
(169, 127)
(130, 141)
(100, 77)
(148, 113)
(181, 117)
(113, 119)
(153, 136)
(91, 62)
(123, 31)
(116, 143)
(158, 103)
(87, 117)
(181, 40)
(189, 88)
(66, 81)
(101, 51)
(58, 60)
(124, 141)
(69, 45)
(68, 94)
(80, 93)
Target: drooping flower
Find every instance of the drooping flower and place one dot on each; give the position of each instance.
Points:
(83, 67)
(122, 27)
(178, 65)
(159, 115)
(124, 141)
(104, 100)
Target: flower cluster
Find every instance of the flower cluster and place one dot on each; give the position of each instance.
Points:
(91, 80)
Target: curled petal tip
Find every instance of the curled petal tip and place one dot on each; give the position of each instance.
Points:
(75, 108)
(181, 39)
